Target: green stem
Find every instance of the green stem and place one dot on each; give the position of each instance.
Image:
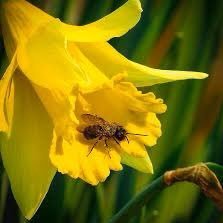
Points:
(199, 174)
(139, 201)
(217, 169)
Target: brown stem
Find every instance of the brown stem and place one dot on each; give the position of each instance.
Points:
(202, 176)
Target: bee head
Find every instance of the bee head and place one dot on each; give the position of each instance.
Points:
(120, 133)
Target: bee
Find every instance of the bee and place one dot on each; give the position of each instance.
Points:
(99, 129)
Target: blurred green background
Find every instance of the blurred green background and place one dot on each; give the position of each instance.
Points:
(172, 34)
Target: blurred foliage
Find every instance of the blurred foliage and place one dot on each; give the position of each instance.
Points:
(171, 34)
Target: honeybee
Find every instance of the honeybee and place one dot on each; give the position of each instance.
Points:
(97, 128)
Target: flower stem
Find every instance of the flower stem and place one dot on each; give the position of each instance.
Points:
(198, 174)
(139, 201)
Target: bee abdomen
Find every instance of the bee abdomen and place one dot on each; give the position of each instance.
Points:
(92, 131)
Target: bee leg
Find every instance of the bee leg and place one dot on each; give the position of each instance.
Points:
(109, 152)
(106, 144)
(107, 147)
(94, 145)
(127, 139)
(116, 141)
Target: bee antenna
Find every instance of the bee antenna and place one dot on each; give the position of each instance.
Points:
(136, 134)
(127, 139)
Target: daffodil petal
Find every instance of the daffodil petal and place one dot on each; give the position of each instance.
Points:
(134, 147)
(142, 164)
(92, 76)
(19, 19)
(74, 159)
(25, 149)
(141, 102)
(53, 73)
(45, 60)
(150, 127)
(60, 108)
(116, 109)
(113, 63)
(113, 25)
(96, 167)
(64, 157)
(4, 87)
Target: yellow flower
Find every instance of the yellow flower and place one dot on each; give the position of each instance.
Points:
(59, 72)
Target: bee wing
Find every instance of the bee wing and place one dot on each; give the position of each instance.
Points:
(93, 119)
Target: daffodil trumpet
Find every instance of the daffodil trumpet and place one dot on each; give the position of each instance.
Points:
(57, 73)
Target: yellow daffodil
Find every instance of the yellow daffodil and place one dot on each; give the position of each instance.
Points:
(57, 73)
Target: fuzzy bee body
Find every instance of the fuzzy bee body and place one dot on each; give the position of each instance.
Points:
(93, 131)
(97, 128)
(108, 131)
